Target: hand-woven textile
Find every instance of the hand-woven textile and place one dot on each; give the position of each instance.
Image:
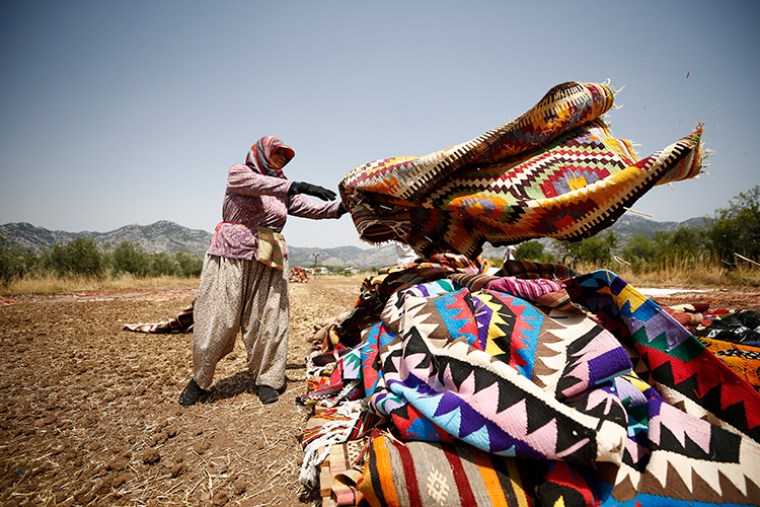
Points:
(340, 473)
(725, 333)
(632, 412)
(527, 269)
(556, 171)
(667, 353)
(330, 427)
(332, 377)
(376, 290)
(426, 474)
(182, 323)
(743, 359)
(741, 327)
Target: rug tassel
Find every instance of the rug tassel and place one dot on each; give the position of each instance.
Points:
(637, 212)
(619, 89)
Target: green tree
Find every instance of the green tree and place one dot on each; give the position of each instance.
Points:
(15, 261)
(737, 228)
(132, 259)
(641, 252)
(79, 257)
(189, 265)
(596, 250)
(163, 264)
(529, 251)
(684, 243)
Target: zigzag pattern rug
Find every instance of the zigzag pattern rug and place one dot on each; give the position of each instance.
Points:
(632, 411)
(556, 171)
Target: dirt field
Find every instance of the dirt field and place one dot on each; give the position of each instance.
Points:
(90, 413)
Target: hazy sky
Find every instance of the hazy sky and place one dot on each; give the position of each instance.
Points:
(124, 112)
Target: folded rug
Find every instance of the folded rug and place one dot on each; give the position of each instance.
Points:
(431, 474)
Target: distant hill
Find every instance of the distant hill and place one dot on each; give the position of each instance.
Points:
(169, 237)
(633, 225)
(344, 256)
(162, 236)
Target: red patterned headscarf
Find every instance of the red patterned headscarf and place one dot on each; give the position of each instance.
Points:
(258, 157)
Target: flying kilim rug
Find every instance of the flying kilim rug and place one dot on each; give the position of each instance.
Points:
(556, 171)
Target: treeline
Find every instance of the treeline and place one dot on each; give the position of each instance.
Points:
(733, 235)
(734, 230)
(82, 257)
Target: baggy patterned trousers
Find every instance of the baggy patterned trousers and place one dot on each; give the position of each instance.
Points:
(241, 295)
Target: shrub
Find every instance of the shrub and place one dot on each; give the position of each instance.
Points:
(132, 259)
(15, 261)
(737, 228)
(641, 252)
(79, 257)
(189, 265)
(596, 250)
(533, 250)
(163, 264)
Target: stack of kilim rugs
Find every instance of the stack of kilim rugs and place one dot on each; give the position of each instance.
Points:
(535, 386)
(446, 386)
(556, 171)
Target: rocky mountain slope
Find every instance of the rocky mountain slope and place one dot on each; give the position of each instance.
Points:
(162, 236)
(170, 237)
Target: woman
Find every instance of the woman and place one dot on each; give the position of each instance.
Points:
(243, 284)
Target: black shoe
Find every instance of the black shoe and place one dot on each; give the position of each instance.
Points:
(191, 393)
(267, 395)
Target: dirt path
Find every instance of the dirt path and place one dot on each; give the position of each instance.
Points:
(90, 412)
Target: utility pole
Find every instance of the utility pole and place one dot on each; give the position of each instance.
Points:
(316, 256)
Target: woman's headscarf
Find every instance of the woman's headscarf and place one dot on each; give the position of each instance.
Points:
(258, 157)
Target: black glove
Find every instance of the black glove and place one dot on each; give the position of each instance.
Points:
(301, 187)
(341, 210)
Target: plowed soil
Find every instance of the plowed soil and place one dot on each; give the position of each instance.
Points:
(89, 412)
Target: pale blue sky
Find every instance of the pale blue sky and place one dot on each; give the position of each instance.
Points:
(122, 112)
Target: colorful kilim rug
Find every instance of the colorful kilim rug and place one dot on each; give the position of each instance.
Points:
(743, 359)
(527, 269)
(740, 327)
(725, 333)
(633, 411)
(433, 474)
(340, 472)
(556, 171)
(376, 290)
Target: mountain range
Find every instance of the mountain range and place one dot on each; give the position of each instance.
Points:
(170, 237)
